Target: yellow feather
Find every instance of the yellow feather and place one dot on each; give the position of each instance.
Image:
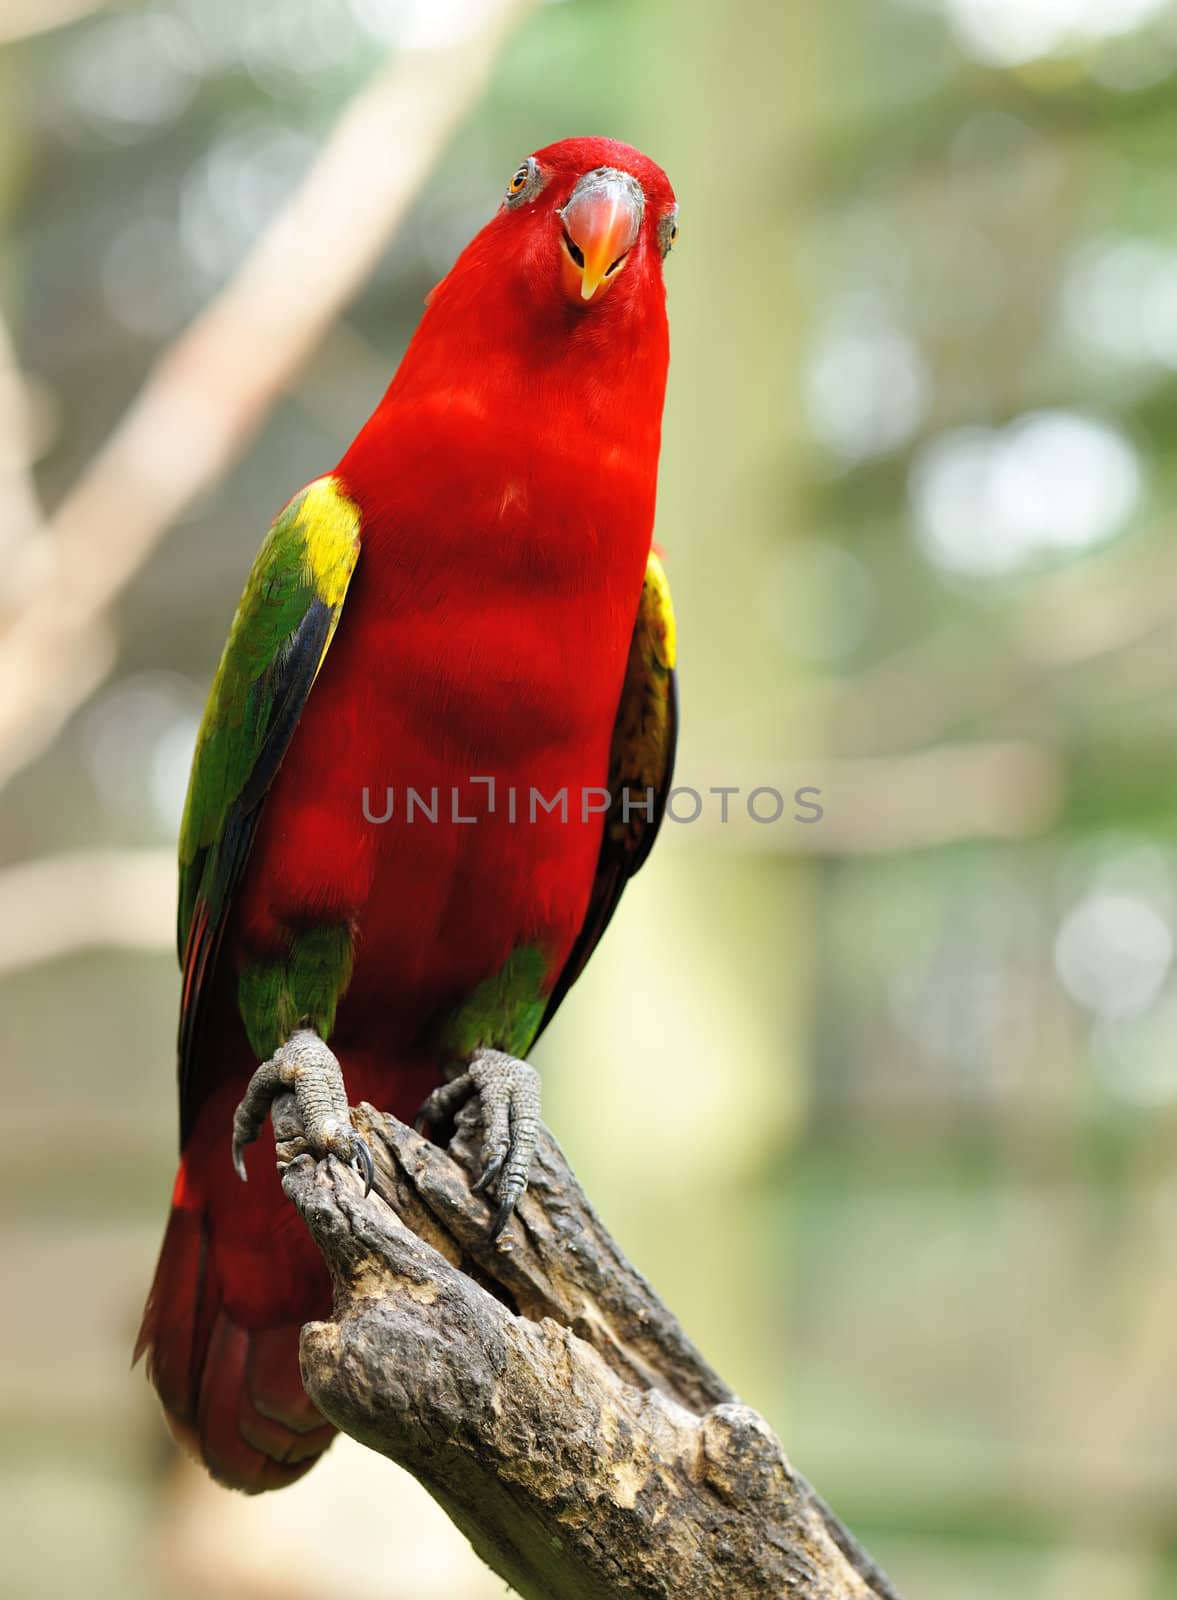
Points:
(658, 612)
(330, 524)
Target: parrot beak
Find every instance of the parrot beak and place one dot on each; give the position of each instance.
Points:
(601, 220)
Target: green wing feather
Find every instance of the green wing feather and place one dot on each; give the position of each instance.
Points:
(282, 630)
(641, 768)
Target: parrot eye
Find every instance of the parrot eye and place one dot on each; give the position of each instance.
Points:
(668, 231)
(526, 182)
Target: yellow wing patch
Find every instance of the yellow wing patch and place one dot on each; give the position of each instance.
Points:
(330, 525)
(331, 533)
(643, 736)
(657, 611)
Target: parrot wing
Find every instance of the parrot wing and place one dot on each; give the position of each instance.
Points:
(280, 635)
(641, 767)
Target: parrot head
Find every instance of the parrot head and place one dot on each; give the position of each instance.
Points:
(556, 309)
(583, 224)
(583, 213)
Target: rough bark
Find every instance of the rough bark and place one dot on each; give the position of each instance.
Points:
(541, 1391)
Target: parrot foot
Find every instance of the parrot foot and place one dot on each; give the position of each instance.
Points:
(305, 1067)
(508, 1093)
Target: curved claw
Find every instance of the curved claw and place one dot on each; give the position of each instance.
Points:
(439, 1108)
(364, 1165)
(502, 1217)
(305, 1067)
(508, 1090)
(489, 1173)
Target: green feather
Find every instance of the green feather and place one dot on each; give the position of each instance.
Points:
(277, 997)
(282, 630)
(308, 554)
(503, 1012)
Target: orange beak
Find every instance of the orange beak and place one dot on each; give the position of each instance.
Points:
(602, 220)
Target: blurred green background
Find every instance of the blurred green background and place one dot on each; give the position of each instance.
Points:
(884, 1105)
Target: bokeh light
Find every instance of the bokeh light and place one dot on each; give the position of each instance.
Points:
(139, 737)
(989, 501)
(1113, 952)
(1010, 33)
(867, 387)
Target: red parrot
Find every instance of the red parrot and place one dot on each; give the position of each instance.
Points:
(465, 614)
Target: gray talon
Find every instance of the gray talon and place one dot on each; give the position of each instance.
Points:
(364, 1164)
(441, 1106)
(502, 1217)
(489, 1173)
(305, 1067)
(508, 1095)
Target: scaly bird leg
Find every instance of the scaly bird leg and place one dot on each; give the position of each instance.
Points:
(305, 1067)
(508, 1096)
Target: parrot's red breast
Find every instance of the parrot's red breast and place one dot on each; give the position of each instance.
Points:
(475, 564)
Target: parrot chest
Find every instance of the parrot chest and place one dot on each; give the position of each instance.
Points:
(442, 792)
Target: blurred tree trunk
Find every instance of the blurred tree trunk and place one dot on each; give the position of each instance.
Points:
(714, 948)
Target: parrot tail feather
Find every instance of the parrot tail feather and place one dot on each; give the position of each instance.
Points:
(232, 1394)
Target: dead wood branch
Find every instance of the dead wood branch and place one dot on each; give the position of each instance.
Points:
(541, 1391)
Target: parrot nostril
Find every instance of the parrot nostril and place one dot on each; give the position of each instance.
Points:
(613, 265)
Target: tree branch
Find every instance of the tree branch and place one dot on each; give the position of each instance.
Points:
(212, 388)
(541, 1391)
(55, 906)
(21, 19)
